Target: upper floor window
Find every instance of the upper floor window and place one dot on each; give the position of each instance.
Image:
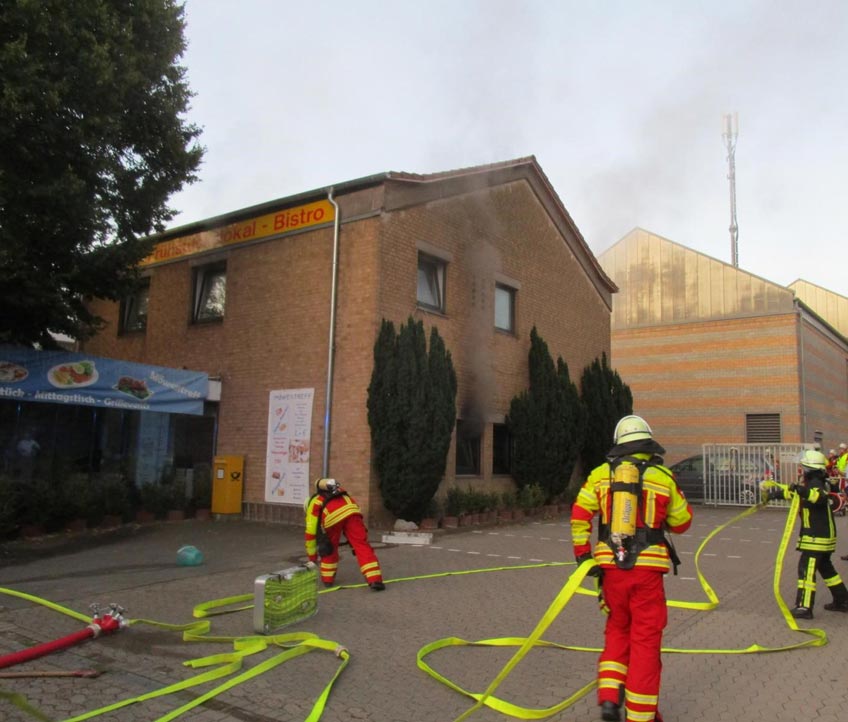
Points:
(431, 282)
(210, 292)
(504, 308)
(134, 309)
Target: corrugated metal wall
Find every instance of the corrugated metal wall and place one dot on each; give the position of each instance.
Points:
(829, 305)
(662, 282)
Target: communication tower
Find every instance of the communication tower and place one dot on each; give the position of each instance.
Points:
(729, 135)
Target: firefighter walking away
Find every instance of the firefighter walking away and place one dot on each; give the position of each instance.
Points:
(637, 500)
(331, 512)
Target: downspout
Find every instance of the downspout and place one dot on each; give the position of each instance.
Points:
(331, 343)
(803, 374)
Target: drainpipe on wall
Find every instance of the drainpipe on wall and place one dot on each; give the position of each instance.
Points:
(803, 373)
(331, 344)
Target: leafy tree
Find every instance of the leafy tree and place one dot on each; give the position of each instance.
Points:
(411, 412)
(545, 423)
(92, 144)
(606, 398)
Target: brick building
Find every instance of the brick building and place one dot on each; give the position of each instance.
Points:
(484, 254)
(714, 354)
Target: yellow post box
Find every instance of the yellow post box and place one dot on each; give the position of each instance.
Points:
(227, 484)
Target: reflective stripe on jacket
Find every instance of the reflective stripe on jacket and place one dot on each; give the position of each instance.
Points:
(335, 510)
(663, 507)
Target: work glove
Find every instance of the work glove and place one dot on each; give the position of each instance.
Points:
(325, 547)
(595, 571)
(311, 565)
(772, 491)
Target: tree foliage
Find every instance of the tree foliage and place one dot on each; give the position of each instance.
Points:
(545, 423)
(606, 398)
(411, 412)
(92, 144)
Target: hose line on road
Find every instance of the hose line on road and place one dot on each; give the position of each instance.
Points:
(299, 643)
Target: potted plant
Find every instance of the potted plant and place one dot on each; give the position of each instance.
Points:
(10, 505)
(201, 497)
(113, 497)
(433, 511)
(155, 502)
(76, 498)
(40, 509)
(454, 507)
(508, 502)
(176, 495)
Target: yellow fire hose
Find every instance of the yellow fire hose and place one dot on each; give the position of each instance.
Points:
(299, 643)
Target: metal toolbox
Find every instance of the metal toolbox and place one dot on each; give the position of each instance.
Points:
(284, 597)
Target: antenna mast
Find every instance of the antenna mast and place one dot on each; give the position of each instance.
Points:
(731, 131)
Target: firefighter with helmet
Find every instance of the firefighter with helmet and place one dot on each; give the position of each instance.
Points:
(817, 537)
(636, 499)
(331, 512)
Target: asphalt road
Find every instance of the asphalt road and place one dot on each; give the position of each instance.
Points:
(136, 568)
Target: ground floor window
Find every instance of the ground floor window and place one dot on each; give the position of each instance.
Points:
(467, 448)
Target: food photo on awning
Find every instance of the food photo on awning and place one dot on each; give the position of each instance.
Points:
(64, 377)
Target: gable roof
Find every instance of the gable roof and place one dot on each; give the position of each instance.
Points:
(831, 306)
(406, 189)
(663, 282)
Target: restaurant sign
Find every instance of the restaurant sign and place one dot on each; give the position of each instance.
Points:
(62, 377)
(271, 224)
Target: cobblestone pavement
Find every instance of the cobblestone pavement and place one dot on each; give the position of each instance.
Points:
(136, 567)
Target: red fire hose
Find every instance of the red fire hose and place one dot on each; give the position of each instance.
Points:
(110, 622)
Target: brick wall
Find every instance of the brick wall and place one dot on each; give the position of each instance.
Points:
(275, 332)
(695, 382)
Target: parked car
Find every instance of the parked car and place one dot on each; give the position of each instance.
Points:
(689, 474)
(733, 479)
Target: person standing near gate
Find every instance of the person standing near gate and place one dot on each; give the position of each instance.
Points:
(636, 499)
(817, 537)
(331, 512)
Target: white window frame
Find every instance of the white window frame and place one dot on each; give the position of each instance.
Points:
(205, 279)
(430, 292)
(505, 293)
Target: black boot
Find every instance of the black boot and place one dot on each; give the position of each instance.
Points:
(837, 606)
(610, 712)
(802, 613)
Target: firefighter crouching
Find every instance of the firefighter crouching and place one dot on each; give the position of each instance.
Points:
(817, 537)
(331, 512)
(636, 499)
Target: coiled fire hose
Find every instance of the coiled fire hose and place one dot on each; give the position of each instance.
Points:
(296, 644)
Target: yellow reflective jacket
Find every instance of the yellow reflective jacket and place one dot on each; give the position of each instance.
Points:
(663, 507)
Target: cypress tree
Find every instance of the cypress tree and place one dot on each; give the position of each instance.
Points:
(544, 422)
(411, 412)
(606, 398)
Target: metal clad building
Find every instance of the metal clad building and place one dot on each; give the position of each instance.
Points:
(715, 354)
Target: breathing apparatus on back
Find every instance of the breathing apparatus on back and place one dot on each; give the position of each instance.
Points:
(624, 535)
(626, 490)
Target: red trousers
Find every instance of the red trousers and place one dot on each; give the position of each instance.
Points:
(355, 532)
(632, 641)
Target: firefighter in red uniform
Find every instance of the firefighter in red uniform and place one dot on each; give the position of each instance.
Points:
(637, 499)
(817, 538)
(331, 512)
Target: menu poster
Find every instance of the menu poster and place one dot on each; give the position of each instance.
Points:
(289, 432)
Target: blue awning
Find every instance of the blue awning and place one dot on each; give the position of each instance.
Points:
(63, 377)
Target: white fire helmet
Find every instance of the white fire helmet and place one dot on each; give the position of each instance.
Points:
(331, 486)
(631, 428)
(812, 459)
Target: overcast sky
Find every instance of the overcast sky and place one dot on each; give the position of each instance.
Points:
(620, 101)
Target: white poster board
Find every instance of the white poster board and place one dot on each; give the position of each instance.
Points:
(289, 433)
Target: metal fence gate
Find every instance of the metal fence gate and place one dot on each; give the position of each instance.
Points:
(733, 472)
